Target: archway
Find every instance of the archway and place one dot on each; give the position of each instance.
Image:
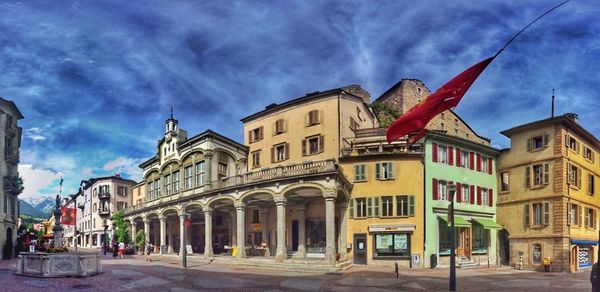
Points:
(504, 247)
(8, 245)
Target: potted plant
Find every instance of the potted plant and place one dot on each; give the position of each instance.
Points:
(140, 242)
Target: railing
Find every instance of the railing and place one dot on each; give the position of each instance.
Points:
(103, 211)
(372, 132)
(104, 195)
(305, 168)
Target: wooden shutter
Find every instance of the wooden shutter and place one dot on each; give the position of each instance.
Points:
(526, 215)
(286, 149)
(250, 136)
(260, 131)
(478, 162)
(569, 213)
(273, 158)
(567, 140)
(434, 152)
(450, 155)
(527, 177)
(376, 207)
(579, 177)
(434, 189)
(390, 170)
(577, 146)
(411, 205)
(546, 139)
(529, 146)
(356, 172)
(478, 195)
(351, 209)
(546, 173)
(472, 193)
(594, 218)
(490, 165)
(304, 147)
(458, 192)
(546, 213)
(377, 170)
(580, 217)
(491, 197)
(448, 191)
(321, 143)
(471, 160)
(369, 207)
(458, 158)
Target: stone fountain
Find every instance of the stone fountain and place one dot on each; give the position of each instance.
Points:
(50, 265)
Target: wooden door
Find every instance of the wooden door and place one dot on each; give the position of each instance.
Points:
(360, 249)
(468, 248)
(460, 242)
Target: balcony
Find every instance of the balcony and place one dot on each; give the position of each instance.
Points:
(104, 196)
(11, 155)
(13, 184)
(372, 132)
(103, 212)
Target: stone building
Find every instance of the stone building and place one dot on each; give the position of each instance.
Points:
(548, 199)
(407, 93)
(12, 184)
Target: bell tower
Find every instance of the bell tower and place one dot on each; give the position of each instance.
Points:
(171, 124)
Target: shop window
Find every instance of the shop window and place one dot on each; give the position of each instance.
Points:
(444, 238)
(480, 236)
(537, 254)
(316, 236)
(391, 245)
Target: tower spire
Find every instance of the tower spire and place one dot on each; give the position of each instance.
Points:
(552, 114)
(172, 110)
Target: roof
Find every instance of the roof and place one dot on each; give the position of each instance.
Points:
(13, 106)
(469, 127)
(310, 96)
(93, 180)
(455, 139)
(566, 119)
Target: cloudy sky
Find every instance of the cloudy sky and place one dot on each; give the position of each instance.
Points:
(95, 79)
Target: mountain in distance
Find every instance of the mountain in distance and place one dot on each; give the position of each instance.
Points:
(39, 207)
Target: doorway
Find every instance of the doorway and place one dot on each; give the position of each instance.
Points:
(504, 247)
(360, 249)
(7, 254)
(295, 235)
(463, 246)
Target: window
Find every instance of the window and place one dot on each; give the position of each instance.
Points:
(574, 174)
(149, 191)
(537, 254)
(485, 197)
(359, 172)
(188, 174)
(443, 190)
(313, 145)
(167, 182)
(590, 218)
(590, 189)
(442, 126)
(402, 206)
(353, 125)
(157, 192)
(361, 207)
(255, 134)
(387, 206)
(200, 174)
(538, 175)
(279, 127)
(384, 171)
(537, 214)
(541, 175)
(121, 206)
(540, 212)
(94, 222)
(464, 157)
(122, 191)
(537, 142)
(444, 238)
(442, 154)
(465, 195)
(175, 177)
(95, 207)
(256, 159)
(504, 181)
(574, 211)
(484, 164)
(255, 216)
(391, 245)
(588, 154)
(221, 170)
(313, 117)
(572, 143)
(479, 239)
(280, 152)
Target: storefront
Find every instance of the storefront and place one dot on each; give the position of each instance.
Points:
(392, 242)
(584, 252)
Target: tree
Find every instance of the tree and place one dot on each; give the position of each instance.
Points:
(140, 240)
(122, 234)
(385, 113)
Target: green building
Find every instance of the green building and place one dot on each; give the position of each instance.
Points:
(472, 168)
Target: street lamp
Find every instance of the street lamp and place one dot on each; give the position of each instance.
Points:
(452, 191)
(104, 238)
(81, 207)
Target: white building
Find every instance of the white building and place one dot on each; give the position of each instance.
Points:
(98, 199)
(12, 184)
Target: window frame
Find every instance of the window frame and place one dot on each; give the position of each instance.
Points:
(256, 158)
(360, 172)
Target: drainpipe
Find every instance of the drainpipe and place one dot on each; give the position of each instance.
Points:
(424, 199)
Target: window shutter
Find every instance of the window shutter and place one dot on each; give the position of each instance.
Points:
(491, 198)
(369, 207)
(546, 139)
(377, 170)
(458, 158)
(272, 154)
(471, 160)
(450, 155)
(478, 195)
(569, 213)
(526, 215)
(250, 137)
(546, 173)
(579, 177)
(351, 209)
(527, 177)
(472, 192)
(321, 143)
(390, 170)
(304, 147)
(567, 140)
(580, 212)
(578, 146)
(411, 205)
(356, 172)
(287, 150)
(529, 146)
(434, 189)
(478, 162)
(546, 213)
(261, 132)
(490, 165)
(434, 152)
(448, 191)
(458, 192)
(594, 219)
(376, 207)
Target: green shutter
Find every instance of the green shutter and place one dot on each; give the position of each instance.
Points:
(363, 170)
(390, 170)
(376, 207)
(377, 170)
(369, 207)
(351, 209)
(527, 221)
(356, 172)
(411, 205)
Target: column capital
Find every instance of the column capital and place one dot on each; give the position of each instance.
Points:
(239, 205)
(330, 195)
(208, 210)
(280, 200)
(208, 153)
(301, 207)
(162, 217)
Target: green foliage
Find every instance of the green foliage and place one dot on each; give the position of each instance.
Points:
(140, 240)
(122, 234)
(385, 113)
(61, 249)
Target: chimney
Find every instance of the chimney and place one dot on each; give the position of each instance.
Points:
(572, 116)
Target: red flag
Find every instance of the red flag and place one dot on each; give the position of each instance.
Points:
(68, 216)
(414, 121)
(187, 222)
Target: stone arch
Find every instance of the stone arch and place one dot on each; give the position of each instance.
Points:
(211, 202)
(152, 174)
(190, 155)
(247, 195)
(152, 213)
(165, 168)
(194, 204)
(169, 209)
(136, 217)
(306, 185)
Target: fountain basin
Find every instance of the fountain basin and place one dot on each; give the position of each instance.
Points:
(51, 265)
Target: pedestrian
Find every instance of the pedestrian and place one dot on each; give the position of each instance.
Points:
(115, 249)
(121, 250)
(149, 248)
(595, 277)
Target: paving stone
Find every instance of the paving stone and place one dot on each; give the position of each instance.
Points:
(413, 286)
(586, 286)
(522, 283)
(177, 289)
(303, 284)
(230, 282)
(149, 281)
(36, 283)
(370, 282)
(368, 289)
(177, 278)
(121, 272)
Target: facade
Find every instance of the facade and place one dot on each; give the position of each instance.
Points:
(548, 199)
(69, 230)
(12, 184)
(385, 224)
(471, 167)
(98, 199)
(138, 193)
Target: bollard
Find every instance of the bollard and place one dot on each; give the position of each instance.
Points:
(396, 264)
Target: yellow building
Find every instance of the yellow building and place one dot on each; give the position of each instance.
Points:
(138, 192)
(386, 209)
(547, 199)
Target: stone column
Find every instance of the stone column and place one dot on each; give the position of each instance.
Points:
(343, 231)
(133, 231)
(240, 209)
(146, 230)
(301, 230)
(169, 239)
(181, 232)
(330, 227)
(264, 220)
(163, 230)
(208, 168)
(281, 254)
(233, 228)
(208, 248)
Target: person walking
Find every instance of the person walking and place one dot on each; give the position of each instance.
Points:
(121, 250)
(149, 248)
(115, 249)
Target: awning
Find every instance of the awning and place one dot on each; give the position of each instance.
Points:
(580, 241)
(487, 223)
(458, 221)
(392, 227)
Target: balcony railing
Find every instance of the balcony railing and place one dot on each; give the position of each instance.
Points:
(104, 212)
(13, 184)
(306, 168)
(104, 196)
(372, 132)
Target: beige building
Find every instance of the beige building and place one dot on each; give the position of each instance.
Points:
(548, 200)
(99, 198)
(12, 184)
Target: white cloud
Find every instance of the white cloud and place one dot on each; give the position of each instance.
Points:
(35, 134)
(86, 171)
(125, 165)
(35, 179)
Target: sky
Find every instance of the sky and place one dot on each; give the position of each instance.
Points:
(95, 80)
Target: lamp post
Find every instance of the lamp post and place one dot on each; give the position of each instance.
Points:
(81, 207)
(452, 191)
(104, 238)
